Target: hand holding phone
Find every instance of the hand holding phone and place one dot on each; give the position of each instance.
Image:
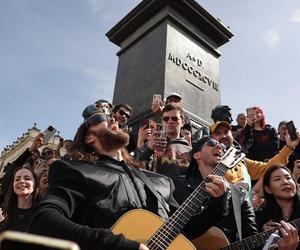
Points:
(156, 98)
(292, 130)
(48, 133)
(251, 116)
(145, 124)
(160, 130)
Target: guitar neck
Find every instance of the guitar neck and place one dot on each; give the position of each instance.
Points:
(257, 240)
(172, 227)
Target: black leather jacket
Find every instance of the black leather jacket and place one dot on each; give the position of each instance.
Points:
(86, 199)
(219, 212)
(248, 220)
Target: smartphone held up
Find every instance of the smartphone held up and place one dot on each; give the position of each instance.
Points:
(156, 98)
(292, 130)
(48, 133)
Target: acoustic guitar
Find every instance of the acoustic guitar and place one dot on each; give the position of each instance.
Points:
(212, 239)
(215, 239)
(145, 227)
(257, 240)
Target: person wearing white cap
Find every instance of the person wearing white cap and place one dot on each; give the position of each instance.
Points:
(173, 97)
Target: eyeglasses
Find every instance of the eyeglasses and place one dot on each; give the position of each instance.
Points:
(173, 118)
(122, 112)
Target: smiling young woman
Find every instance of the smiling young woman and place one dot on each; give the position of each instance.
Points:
(19, 200)
(282, 203)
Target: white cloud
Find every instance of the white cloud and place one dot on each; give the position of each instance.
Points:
(296, 16)
(272, 38)
(96, 5)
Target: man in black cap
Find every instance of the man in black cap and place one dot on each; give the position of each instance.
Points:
(89, 111)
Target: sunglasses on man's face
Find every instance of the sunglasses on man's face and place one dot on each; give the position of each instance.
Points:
(173, 118)
(121, 112)
(214, 143)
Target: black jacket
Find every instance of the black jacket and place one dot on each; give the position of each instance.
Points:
(209, 214)
(273, 212)
(85, 200)
(219, 211)
(260, 145)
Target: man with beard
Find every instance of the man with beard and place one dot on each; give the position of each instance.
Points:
(249, 169)
(86, 198)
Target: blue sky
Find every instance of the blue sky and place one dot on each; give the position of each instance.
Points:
(55, 59)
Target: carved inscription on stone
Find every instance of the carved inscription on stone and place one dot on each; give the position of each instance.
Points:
(193, 66)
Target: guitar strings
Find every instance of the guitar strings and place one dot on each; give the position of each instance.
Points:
(167, 229)
(258, 239)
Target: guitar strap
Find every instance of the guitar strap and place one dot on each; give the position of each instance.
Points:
(236, 203)
(147, 182)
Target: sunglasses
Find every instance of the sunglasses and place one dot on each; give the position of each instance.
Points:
(213, 143)
(173, 118)
(121, 112)
(95, 120)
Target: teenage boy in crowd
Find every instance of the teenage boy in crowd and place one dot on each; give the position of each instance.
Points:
(168, 154)
(175, 98)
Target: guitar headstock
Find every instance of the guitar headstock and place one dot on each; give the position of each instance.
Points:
(232, 157)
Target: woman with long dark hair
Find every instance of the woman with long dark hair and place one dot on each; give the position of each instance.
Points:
(19, 200)
(281, 206)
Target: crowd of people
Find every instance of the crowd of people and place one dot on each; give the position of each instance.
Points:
(94, 193)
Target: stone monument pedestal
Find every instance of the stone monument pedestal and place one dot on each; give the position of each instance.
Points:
(166, 46)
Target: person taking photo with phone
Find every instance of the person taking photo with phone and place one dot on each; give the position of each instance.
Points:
(259, 140)
(167, 153)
